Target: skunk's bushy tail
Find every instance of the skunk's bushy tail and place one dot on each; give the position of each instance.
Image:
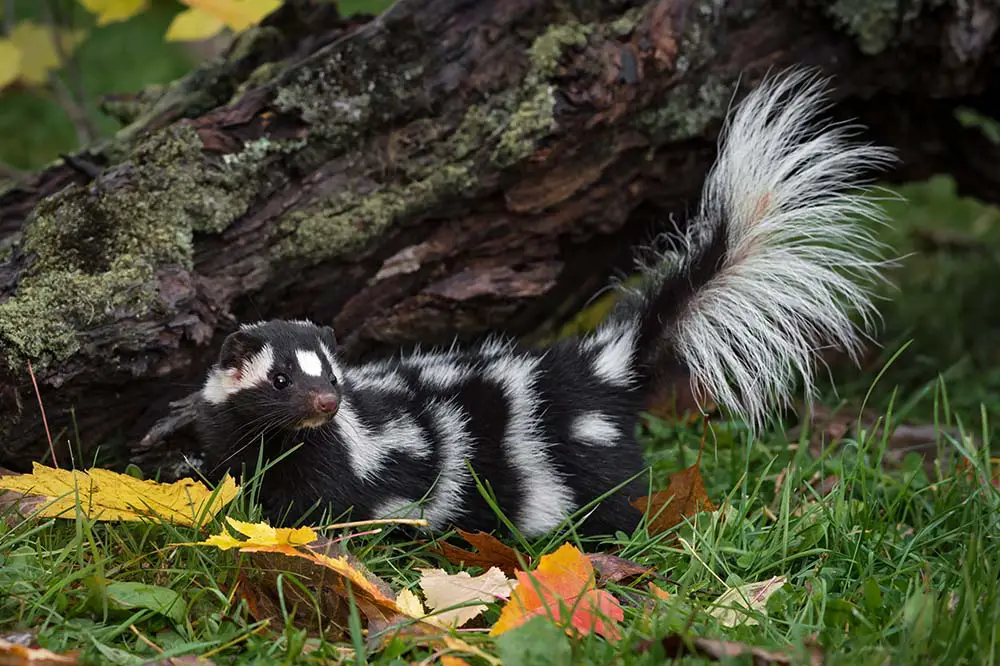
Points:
(778, 259)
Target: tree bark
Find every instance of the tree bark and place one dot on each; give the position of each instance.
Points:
(448, 168)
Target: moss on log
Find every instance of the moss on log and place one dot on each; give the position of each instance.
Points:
(442, 170)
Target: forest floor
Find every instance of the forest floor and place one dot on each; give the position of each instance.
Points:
(875, 545)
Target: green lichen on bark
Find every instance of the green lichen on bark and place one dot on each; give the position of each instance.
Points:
(687, 110)
(342, 225)
(532, 116)
(96, 248)
(355, 88)
(347, 223)
(875, 24)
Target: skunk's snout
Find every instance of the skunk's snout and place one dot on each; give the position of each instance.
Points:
(326, 403)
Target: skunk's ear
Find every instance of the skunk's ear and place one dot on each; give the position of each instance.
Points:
(328, 337)
(237, 348)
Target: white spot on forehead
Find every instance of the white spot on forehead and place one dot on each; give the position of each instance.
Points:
(309, 362)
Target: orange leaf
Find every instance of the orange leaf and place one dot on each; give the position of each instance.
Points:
(563, 588)
(16, 654)
(448, 660)
(684, 497)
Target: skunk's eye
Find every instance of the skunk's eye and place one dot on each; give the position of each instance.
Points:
(281, 381)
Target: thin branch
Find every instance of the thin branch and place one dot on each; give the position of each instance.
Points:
(45, 421)
(8, 17)
(72, 96)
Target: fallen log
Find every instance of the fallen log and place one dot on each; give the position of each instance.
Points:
(445, 169)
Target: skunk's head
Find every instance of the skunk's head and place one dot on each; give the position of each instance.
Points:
(277, 375)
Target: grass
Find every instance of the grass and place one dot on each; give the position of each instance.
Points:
(890, 566)
(899, 563)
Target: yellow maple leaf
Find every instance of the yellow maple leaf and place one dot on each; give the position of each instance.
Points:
(10, 62)
(194, 25)
(409, 603)
(113, 11)
(260, 534)
(109, 496)
(39, 53)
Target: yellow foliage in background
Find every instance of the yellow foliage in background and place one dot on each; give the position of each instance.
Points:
(30, 52)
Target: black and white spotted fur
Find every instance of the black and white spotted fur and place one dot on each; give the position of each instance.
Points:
(769, 270)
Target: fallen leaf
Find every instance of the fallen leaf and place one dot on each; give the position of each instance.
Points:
(14, 654)
(444, 591)
(129, 596)
(490, 552)
(676, 646)
(684, 497)
(448, 660)
(113, 11)
(331, 581)
(261, 534)
(458, 645)
(658, 591)
(108, 496)
(562, 587)
(825, 427)
(731, 607)
(614, 569)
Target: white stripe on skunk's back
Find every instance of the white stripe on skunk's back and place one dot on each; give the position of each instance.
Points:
(546, 498)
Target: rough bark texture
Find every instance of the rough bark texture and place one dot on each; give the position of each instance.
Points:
(449, 168)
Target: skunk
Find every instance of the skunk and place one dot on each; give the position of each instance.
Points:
(778, 259)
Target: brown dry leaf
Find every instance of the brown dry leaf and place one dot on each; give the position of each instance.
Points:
(684, 497)
(676, 646)
(489, 552)
(614, 569)
(17, 654)
(732, 605)
(444, 591)
(826, 427)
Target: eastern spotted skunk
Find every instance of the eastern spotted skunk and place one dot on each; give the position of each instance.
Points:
(770, 269)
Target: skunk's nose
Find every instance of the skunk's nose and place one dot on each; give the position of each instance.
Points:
(326, 403)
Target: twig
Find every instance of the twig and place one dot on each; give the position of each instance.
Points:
(8, 17)
(45, 421)
(84, 167)
(10, 173)
(420, 522)
(72, 97)
(145, 640)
